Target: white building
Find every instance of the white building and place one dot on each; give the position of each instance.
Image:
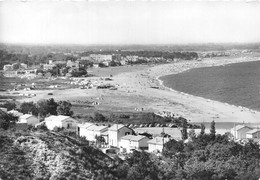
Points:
(101, 57)
(28, 119)
(90, 132)
(130, 142)
(8, 67)
(3, 109)
(115, 133)
(255, 133)
(239, 131)
(15, 113)
(157, 144)
(60, 121)
(23, 66)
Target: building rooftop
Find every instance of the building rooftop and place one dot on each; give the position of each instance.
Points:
(238, 127)
(133, 138)
(116, 127)
(158, 141)
(15, 113)
(253, 131)
(96, 128)
(25, 116)
(85, 125)
(57, 118)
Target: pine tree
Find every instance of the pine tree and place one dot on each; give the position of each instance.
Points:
(184, 130)
(212, 129)
(202, 129)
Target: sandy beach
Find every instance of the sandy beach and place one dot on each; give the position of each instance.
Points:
(135, 93)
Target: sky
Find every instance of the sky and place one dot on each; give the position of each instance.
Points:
(129, 22)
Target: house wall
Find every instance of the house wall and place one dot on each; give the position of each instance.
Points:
(52, 124)
(70, 124)
(115, 136)
(89, 134)
(249, 136)
(155, 147)
(30, 121)
(143, 142)
(241, 133)
(254, 135)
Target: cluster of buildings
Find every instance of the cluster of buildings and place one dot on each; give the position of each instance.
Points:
(243, 132)
(116, 136)
(15, 66)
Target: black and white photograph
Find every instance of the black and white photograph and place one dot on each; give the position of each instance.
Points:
(129, 90)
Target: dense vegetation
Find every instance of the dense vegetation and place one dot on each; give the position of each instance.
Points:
(40, 154)
(203, 158)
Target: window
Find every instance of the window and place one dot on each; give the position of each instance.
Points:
(127, 133)
(69, 125)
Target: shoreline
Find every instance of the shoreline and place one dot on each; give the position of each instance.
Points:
(161, 82)
(136, 91)
(207, 63)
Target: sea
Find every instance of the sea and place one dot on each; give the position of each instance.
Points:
(237, 84)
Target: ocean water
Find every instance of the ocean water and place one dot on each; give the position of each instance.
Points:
(237, 84)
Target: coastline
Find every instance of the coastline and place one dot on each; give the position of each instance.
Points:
(135, 91)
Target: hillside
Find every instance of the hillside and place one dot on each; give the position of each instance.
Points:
(44, 155)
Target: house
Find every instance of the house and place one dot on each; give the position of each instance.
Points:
(15, 113)
(23, 66)
(254, 133)
(115, 133)
(239, 131)
(48, 66)
(3, 109)
(95, 65)
(156, 144)
(92, 131)
(129, 142)
(28, 119)
(61, 121)
(8, 67)
(81, 126)
(101, 57)
(106, 63)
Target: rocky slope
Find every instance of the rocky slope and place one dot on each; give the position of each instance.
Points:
(44, 155)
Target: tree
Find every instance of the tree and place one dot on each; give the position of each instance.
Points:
(98, 117)
(6, 120)
(173, 147)
(202, 129)
(141, 167)
(64, 108)
(212, 129)
(29, 107)
(9, 105)
(100, 140)
(192, 134)
(47, 107)
(184, 132)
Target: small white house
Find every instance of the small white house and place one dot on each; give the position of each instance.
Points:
(92, 131)
(157, 144)
(15, 113)
(239, 131)
(60, 121)
(28, 119)
(3, 109)
(133, 142)
(115, 133)
(253, 134)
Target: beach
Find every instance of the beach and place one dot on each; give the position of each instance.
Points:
(140, 89)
